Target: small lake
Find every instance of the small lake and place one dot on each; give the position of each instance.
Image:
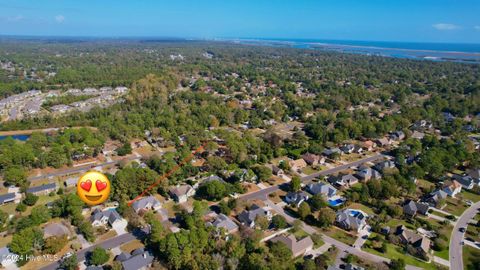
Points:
(16, 137)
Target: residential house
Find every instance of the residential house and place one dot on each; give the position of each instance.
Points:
(298, 247)
(368, 145)
(71, 182)
(146, 204)
(330, 152)
(296, 198)
(436, 198)
(452, 188)
(466, 181)
(313, 160)
(181, 193)
(367, 173)
(325, 189)
(343, 180)
(411, 208)
(43, 189)
(385, 165)
(417, 135)
(7, 198)
(108, 217)
(223, 221)
(351, 219)
(475, 175)
(297, 165)
(419, 242)
(397, 135)
(277, 171)
(139, 259)
(383, 142)
(247, 217)
(347, 148)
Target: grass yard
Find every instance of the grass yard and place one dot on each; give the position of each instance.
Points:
(396, 252)
(468, 195)
(455, 207)
(308, 170)
(132, 245)
(470, 257)
(340, 235)
(394, 223)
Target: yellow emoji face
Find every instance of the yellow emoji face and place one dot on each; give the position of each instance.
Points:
(93, 188)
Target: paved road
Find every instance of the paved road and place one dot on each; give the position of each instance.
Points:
(343, 167)
(263, 193)
(456, 260)
(77, 169)
(107, 244)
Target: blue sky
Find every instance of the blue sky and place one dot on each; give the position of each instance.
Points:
(380, 20)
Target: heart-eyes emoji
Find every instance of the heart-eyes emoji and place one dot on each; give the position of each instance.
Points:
(93, 188)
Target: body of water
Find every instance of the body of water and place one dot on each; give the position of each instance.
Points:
(16, 137)
(455, 52)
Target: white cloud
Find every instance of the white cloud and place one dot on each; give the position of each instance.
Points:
(59, 18)
(15, 18)
(445, 26)
(477, 27)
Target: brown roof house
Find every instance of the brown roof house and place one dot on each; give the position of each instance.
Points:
(312, 159)
(181, 193)
(299, 247)
(410, 238)
(297, 165)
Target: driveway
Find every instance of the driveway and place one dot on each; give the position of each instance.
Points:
(456, 260)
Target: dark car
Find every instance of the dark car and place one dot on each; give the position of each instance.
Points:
(462, 230)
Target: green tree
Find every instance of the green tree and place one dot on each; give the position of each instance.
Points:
(54, 244)
(99, 256)
(295, 184)
(326, 217)
(69, 263)
(125, 149)
(30, 199)
(279, 222)
(304, 210)
(15, 175)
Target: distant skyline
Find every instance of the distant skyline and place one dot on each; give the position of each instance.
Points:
(447, 21)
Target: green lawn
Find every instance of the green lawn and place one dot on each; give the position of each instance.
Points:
(340, 235)
(396, 252)
(470, 257)
(468, 195)
(394, 223)
(442, 254)
(455, 207)
(308, 170)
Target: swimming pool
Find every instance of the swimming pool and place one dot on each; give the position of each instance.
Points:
(335, 202)
(354, 213)
(16, 137)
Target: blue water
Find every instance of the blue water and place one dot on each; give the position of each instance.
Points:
(452, 52)
(335, 202)
(16, 137)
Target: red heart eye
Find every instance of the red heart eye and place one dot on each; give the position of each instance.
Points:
(100, 185)
(87, 185)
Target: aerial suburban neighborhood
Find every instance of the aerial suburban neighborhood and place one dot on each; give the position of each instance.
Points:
(236, 155)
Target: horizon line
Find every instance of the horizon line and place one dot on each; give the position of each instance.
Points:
(187, 38)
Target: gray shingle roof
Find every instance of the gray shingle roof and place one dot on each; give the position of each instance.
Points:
(7, 198)
(42, 188)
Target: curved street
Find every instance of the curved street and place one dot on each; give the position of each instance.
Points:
(456, 260)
